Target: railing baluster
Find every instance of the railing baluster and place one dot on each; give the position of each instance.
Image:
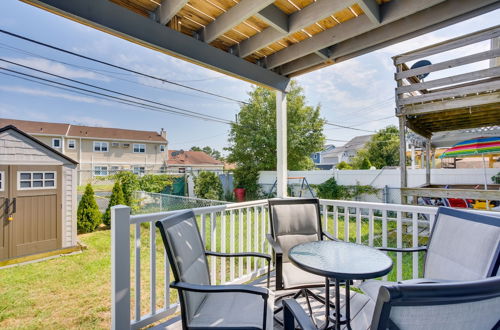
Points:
(414, 223)
(263, 234)
(346, 224)
(167, 281)
(240, 241)
(249, 238)
(399, 244)
(213, 247)
(336, 221)
(255, 235)
(384, 233)
(137, 271)
(358, 225)
(152, 264)
(325, 218)
(231, 244)
(223, 237)
(203, 229)
(371, 227)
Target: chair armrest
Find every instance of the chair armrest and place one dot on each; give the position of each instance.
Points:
(276, 247)
(221, 288)
(417, 249)
(239, 254)
(329, 236)
(293, 312)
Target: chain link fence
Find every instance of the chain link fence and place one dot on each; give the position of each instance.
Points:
(152, 202)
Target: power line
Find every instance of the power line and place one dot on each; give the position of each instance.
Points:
(181, 111)
(347, 127)
(105, 89)
(117, 66)
(111, 74)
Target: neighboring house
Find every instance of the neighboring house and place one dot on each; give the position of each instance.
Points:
(318, 157)
(346, 152)
(180, 161)
(100, 150)
(37, 196)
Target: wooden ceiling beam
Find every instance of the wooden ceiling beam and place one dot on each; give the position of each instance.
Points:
(309, 15)
(390, 12)
(234, 16)
(371, 9)
(275, 18)
(440, 15)
(168, 9)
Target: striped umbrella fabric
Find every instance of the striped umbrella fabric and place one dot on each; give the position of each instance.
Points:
(474, 147)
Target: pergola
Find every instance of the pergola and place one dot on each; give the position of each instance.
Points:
(267, 42)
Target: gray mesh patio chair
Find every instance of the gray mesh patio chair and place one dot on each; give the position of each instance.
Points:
(463, 246)
(440, 306)
(294, 221)
(204, 305)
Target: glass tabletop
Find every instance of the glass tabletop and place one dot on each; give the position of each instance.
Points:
(340, 260)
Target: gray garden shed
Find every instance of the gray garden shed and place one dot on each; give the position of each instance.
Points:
(37, 198)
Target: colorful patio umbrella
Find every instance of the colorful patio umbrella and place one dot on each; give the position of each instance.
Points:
(475, 147)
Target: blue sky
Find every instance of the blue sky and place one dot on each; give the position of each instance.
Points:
(358, 92)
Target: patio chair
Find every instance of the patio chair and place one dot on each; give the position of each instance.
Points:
(294, 221)
(440, 306)
(204, 305)
(463, 246)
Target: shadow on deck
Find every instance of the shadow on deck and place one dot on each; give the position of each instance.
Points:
(361, 308)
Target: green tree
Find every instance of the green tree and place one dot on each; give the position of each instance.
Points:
(362, 160)
(207, 185)
(209, 151)
(116, 198)
(246, 177)
(88, 215)
(155, 183)
(130, 183)
(253, 136)
(343, 166)
(383, 148)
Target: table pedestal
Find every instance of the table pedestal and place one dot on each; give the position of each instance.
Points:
(337, 320)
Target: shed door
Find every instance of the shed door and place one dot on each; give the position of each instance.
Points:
(36, 223)
(4, 209)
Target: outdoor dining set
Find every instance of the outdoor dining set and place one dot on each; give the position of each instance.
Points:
(459, 289)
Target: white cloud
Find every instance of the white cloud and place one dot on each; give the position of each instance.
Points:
(55, 68)
(40, 92)
(87, 121)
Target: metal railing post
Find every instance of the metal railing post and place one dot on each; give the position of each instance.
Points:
(120, 267)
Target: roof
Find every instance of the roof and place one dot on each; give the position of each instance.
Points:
(181, 157)
(69, 130)
(356, 143)
(14, 128)
(266, 41)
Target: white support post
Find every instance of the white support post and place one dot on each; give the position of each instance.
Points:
(281, 144)
(120, 267)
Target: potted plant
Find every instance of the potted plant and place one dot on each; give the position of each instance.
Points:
(245, 183)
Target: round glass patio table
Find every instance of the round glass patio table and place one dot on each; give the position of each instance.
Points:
(341, 261)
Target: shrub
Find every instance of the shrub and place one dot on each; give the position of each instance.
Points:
(207, 185)
(248, 178)
(496, 178)
(343, 166)
(331, 190)
(115, 199)
(156, 183)
(88, 215)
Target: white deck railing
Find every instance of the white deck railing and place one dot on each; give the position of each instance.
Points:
(144, 287)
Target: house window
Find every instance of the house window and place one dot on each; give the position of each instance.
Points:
(139, 170)
(71, 144)
(2, 180)
(114, 169)
(139, 148)
(162, 148)
(56, 143)
(36, 180)
(163, 169)
(182, 170)
(100, 170)
(100, 146)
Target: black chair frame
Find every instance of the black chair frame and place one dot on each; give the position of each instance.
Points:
(184, 286)
(278, 254)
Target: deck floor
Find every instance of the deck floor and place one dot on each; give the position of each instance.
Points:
(361, 308)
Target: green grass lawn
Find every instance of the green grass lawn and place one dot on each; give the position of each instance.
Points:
(74, 291)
